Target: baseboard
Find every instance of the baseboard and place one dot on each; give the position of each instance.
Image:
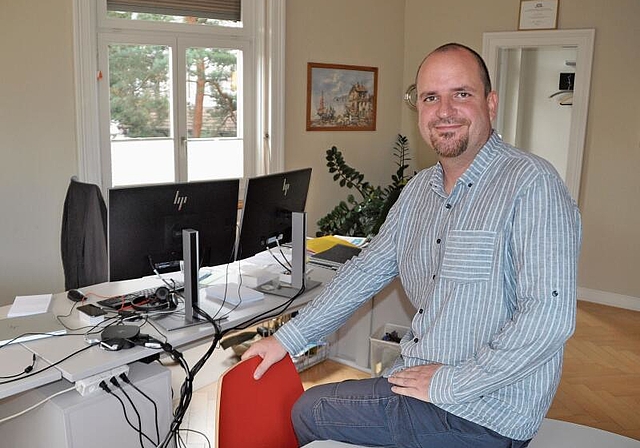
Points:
(609, 298)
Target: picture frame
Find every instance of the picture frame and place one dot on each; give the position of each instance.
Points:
(341, 97)
(538, 15)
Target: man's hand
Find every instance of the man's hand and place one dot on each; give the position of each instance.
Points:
(414, 381)
(270, 350)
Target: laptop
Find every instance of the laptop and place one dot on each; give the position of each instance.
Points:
(28, 328)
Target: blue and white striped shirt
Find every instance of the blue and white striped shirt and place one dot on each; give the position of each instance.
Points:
(491, 269)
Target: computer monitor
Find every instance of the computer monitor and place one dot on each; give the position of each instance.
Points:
(146, 223)
(268, 204)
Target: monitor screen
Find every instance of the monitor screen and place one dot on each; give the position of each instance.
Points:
(266, 215)
(146, 223)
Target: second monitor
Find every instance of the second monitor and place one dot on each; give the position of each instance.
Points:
(269, 202)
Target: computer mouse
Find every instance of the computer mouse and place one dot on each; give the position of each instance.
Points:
(75, 296)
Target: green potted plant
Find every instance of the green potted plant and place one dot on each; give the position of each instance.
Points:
(363, 216)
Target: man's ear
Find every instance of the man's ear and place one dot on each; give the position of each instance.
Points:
(492, 102)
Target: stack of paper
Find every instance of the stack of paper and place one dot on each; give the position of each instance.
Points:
(28, 305)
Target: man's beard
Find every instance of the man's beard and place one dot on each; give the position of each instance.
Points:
(445, 144)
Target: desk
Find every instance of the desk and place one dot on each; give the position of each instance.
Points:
(15, 358)
(95, 360)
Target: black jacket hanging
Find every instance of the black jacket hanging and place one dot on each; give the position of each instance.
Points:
(84, 236)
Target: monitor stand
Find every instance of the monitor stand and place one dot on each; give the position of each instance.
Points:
(191, 257)
(299, 280)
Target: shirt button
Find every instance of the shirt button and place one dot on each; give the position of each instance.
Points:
(420, 311)
(438, 241)
(470, 184)
(434, 277)
(415, 340)
(448, 206)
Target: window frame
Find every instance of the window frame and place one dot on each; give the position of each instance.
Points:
(267, 20)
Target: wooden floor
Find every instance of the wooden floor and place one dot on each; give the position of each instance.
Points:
(600, 384)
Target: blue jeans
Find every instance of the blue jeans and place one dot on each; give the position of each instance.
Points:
(366, 412)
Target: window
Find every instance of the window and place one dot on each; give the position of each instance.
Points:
(178, 97)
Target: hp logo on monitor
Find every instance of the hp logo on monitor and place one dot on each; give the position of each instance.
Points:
(285, 186)
(179, 200)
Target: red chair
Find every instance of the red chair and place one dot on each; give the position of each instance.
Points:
(257, 414)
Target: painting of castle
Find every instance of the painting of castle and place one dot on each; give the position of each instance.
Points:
(341, 97)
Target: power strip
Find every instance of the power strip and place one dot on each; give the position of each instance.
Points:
(91, 384)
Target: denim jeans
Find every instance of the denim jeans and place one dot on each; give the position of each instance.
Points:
(366, 412)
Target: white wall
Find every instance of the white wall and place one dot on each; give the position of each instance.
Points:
(357, 32)
(37, 142)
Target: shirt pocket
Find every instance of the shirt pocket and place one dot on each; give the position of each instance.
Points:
(468, 256)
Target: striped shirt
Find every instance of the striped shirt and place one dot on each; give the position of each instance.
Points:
(491, 270)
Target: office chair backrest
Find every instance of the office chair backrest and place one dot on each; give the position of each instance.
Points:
(257, 414)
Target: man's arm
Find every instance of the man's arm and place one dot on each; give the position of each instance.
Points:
(354, 283)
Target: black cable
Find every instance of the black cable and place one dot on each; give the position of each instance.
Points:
(26, 370)
(99, 326)
(32, 373)
(284, 257)
(185, 394)
(186, 388)
(125, 378)
(285, 267)
(139, 428)
(267, 314)
(216, 338)
(152, 324)
(115, 382)
(66, 315)
(103, 385)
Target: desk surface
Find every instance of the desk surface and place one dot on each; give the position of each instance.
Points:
(15, 358)
(95, 360)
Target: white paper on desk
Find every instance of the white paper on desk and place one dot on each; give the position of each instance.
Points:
(28, 305)
(233, 294)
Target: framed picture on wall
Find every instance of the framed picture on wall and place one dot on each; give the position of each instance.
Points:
(538, 15)
(341, 97)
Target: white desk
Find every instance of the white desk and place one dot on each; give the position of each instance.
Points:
(96, 360)
(15, 358)
(64, 411)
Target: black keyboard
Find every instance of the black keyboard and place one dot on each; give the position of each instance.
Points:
(119, 302)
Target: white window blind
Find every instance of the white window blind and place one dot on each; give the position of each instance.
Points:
(211, 9)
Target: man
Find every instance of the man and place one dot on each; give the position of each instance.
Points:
(486, 245)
